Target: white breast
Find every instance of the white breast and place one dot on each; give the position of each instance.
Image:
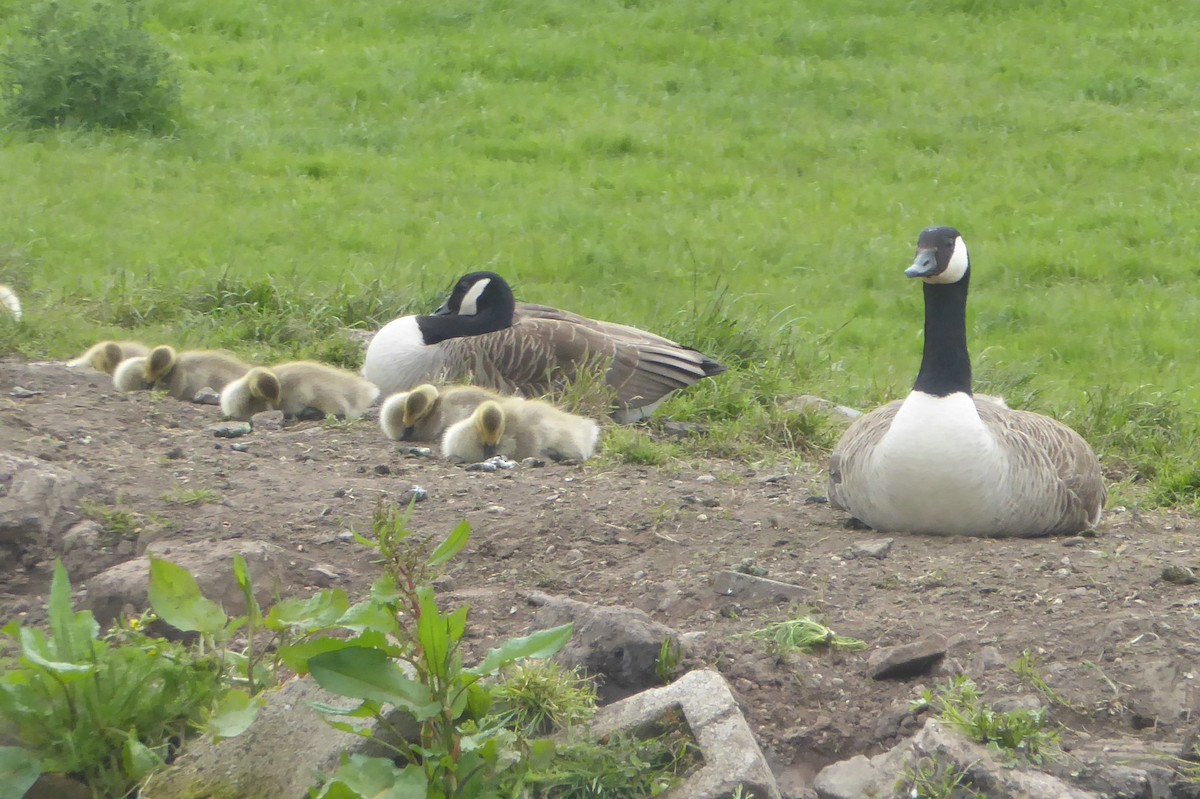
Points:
(398, 359)
(935, 470)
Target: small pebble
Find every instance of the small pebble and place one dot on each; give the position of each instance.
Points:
(383, 468)
(24, 393)
(240, 447)
(701, 517)
(339, 492)
(815, 500)
(175, 453)
(420, 452)
(345, 536)
(414, 494)
(533, 463)
(706, 478)
(231, 430)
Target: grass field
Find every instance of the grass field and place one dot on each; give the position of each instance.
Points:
(748, 176)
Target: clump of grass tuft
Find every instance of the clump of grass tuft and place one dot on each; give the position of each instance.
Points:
(624, 444)
(1015, 733)
(539, 697)
(929, 778)
(804, 635)
(191, 496)
(618, 767)
(117, 520)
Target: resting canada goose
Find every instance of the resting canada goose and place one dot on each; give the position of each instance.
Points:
(105, 356)
(130, 374)
(944, 462)
(520, 428)
(10, 303)
(424, 413)
(182, 374)
(480, 335)
(296, 387)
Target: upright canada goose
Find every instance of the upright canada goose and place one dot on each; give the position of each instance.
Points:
(10, 302)
(424, 413)
(296, 387)
(520, 428)
(182, 374)
(944, 462)
(481, 336)
(130, 374)
(105, 356)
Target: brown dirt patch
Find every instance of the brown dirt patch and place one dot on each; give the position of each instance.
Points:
(1112, 637)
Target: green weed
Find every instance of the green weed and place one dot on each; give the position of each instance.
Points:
(538, 697)
(109, 708)
(929, 778)
(117, 520)
(89, 64)
(1015, 733)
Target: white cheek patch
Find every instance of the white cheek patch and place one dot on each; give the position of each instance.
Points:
(470, 303)
(956, 268)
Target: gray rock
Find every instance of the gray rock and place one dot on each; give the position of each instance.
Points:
(1178, 574)
(751, 587)
(620, 644)
(35, 501)
(873, 548)
(230, 429)
(206, 396)
(984, 771)
(807, 403)
(1119, 769)
(1010, 704)
(211, 563)
(906, 660)
(987, 659)
(280, 756)
(732, 758)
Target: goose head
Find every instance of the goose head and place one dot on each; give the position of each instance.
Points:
(417, 405)
(264, 385)
(481, 302)
(941, 256)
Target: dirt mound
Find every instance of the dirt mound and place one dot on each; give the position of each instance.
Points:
(1115, 640)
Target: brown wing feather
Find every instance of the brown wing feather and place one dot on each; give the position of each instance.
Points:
(1034, 440)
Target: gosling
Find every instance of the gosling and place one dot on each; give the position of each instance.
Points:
(130, 375)
(517, 429)
(183, 374)
(108, 355)
(298, 389)
(424, 413)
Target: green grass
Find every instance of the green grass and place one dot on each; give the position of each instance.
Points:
(632, 161)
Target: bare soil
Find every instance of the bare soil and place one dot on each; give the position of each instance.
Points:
(1116, 641)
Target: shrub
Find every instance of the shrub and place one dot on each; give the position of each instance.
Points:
(88, 63)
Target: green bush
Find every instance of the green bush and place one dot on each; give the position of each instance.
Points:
(88, 63)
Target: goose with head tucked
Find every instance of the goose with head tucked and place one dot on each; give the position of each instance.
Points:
(483, 336)
(945, 462)
(183, 374)
(424, 413)
(301, 389)
(520, 428)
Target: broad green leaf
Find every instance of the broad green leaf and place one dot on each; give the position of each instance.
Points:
(362, 777)
(369, 615)
(72, 633)
(452, 545)
(433, 633)
(242, 574)
(479, 701)
(19, 770)
(384, 590)
(364, 710)
(367, 673)
(176, 598)
(233, 715)
(317, 612)
(296, 656)
(347, 727)
(137, 759)
(35, 650)
(541, 644)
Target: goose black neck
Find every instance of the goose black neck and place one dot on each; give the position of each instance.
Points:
(489, 319)
(945, 362)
